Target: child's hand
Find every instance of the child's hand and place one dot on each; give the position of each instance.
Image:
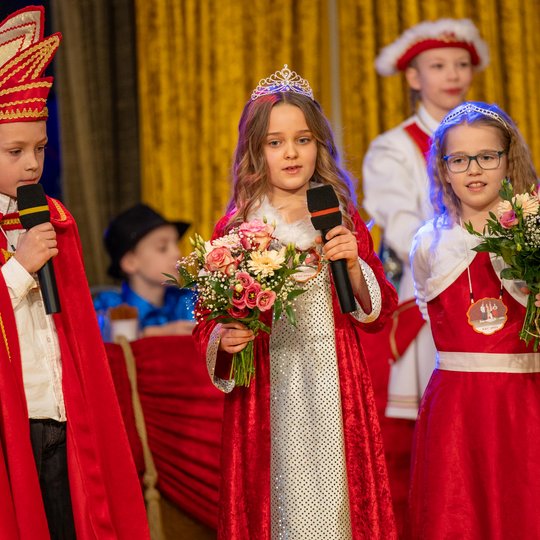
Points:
(36, 246)
(234, 337)
(341, 244)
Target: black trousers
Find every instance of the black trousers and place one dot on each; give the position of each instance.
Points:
(49, 445)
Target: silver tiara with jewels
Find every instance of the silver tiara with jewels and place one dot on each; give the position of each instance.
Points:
(283, 80)
(469, 107)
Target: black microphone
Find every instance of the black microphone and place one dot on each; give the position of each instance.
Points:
(33, 210)
(323, 205)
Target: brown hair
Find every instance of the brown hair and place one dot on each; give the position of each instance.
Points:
(250, 172)
(520, 169)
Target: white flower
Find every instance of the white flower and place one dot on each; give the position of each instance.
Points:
(504, 206)
(265, 262)
(528, 203)
(230, 241)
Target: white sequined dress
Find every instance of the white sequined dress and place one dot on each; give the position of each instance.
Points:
(309, 489)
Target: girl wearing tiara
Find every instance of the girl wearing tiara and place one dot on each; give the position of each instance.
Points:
(439, 59)
(476, 465)
(302, 454)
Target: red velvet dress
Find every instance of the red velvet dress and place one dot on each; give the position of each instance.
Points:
(476, 456)
(245, 511)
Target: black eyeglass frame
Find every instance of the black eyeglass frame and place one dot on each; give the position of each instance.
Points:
(499, 153)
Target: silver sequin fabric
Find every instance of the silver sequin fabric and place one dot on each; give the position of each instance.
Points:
(309, 494)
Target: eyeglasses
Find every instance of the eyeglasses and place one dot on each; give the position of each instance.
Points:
(458, 163)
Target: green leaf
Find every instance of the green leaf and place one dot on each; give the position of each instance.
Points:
(290, 314)
(278, 308)
(294, 293)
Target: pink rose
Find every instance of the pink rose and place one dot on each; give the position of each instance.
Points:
(221, 260)
(255, 235)
(252, 292)
(265, 300)
(239, 299)
(245, 279)
(508, 219)
(238, 313)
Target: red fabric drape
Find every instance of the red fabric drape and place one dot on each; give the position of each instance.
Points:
(183, 414)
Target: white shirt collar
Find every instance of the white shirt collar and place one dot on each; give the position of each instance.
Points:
(426, 120)
(7, 204)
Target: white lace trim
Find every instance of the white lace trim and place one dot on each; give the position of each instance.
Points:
(211, 358)
(374, 294)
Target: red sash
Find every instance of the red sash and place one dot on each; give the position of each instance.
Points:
(407, 321)
(420, 138)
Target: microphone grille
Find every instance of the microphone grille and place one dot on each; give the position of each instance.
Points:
(32, 204)
(323, 205)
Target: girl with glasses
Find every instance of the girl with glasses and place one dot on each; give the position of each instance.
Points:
(439, 60)
(476, 465)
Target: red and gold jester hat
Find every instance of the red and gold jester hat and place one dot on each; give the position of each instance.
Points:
(24, 56)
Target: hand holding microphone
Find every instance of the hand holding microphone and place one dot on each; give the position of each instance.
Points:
(323, 206)
(38, 245)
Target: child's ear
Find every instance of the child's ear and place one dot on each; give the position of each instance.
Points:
(412, 75)
(128, 263)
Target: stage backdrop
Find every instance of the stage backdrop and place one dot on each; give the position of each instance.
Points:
(153, 89)
(198, 61)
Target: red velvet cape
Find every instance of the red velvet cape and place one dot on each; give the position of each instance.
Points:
(105, 491)
(244, 510)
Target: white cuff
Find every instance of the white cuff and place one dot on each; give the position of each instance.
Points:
(374, 295)
(211, 357)
(19, 282)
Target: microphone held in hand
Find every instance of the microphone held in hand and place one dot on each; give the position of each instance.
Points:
(323, 205)
(34, 210)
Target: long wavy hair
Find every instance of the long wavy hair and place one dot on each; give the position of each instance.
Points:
(520, 168)
(250, 171)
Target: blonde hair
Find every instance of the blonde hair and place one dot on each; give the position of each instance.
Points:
(250, 171)
(520, 168)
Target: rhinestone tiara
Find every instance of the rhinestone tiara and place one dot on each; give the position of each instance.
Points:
(283, 80)
(469, 107)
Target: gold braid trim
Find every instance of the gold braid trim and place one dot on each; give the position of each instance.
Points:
(25, 113)
(23, 87)
(2, 328)
(10, 221)
(22, 102)
(34, 58)
(60, 210)
(6, 254)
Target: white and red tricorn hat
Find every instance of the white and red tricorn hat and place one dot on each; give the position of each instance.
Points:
(461, 33)
(24, 56)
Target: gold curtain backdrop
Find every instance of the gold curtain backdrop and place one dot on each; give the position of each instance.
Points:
(198, 61)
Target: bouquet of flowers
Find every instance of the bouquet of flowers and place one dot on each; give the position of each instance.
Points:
(514, 235)
(238, 277)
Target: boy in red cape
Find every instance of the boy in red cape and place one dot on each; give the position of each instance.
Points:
(66, 470)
